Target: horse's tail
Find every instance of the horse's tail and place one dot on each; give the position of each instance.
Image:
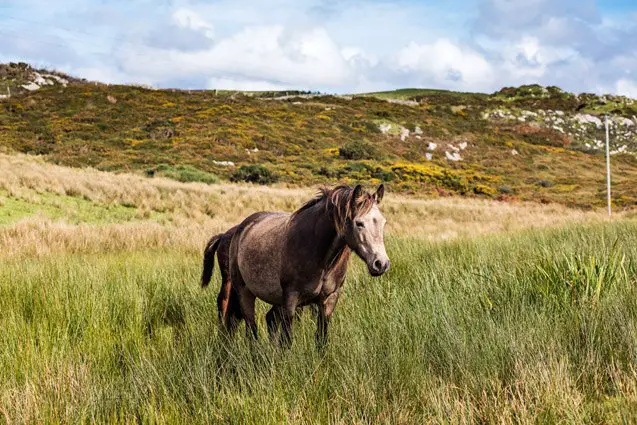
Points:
(209, 259)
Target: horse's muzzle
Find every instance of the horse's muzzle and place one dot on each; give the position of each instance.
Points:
(378, 267)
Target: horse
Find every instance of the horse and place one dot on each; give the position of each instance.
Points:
(291, 260)
(228, 309)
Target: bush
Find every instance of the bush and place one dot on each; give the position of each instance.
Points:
(254, 174)
(481, 189)
(505, 189)
(358, 149)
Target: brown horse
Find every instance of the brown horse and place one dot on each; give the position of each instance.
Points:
(298, 259)
(228, 308)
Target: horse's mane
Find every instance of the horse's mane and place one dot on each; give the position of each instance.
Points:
(339, 205)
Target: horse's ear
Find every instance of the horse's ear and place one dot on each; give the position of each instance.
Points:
(356, 194)
(380, 192)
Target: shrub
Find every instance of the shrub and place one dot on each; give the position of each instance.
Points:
(481, 189)
(505, 189)
(358, 149)
(254, 174)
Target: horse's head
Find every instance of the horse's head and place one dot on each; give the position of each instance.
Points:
(364, 229)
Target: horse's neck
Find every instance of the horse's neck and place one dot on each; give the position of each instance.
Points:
(318, 228)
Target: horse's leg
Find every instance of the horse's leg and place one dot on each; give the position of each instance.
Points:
(246, 300)
(288, 310)
(324, 312)
(223, 303)
(233, 313)
(273, 320)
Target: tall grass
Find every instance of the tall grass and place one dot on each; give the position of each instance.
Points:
(539, 326)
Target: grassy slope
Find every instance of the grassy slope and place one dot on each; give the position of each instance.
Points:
(299, 140)
(538, 327)
(124, 211)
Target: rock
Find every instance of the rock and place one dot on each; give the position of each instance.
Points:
(432, 146)
(31, 86)
(514, 152)
(626, 122)
(455, 157)
(59, 79)
(40, 80)
(429, 156)
(111, 99)
(403, 102)
(385, 128)
(404, 134)
(418, 130)
(587, 119)
(463, 145)
(224, 163)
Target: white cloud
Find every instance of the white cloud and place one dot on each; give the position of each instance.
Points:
(247, 85)
(445, 64)
(297, 58)
(627, 88)
(186, 18)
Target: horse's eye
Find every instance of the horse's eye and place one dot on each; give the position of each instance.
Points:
(360, 224)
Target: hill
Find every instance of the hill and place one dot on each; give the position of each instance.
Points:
(528, 143)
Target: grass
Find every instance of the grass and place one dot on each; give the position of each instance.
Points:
(71, 209)
(492, 311)
(534, 327)
(182, 173)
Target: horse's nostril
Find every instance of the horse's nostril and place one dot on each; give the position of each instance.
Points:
(378, 265)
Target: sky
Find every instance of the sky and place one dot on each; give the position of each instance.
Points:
(333, 46)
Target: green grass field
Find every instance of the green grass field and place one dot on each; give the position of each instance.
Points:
(538, 326)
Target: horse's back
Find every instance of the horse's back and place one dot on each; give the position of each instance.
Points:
(260, 243)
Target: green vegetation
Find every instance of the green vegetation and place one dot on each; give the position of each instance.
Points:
(254, 174)
(537, 327)
(182, 173)
(70, 209)
(358, 149)
(304, 140)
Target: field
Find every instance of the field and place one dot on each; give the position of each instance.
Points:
(492, 312)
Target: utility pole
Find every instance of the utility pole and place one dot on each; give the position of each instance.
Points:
(608, 166)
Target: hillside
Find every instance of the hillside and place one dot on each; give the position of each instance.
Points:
(528, 143)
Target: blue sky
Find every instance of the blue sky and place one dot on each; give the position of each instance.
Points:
(329, 45)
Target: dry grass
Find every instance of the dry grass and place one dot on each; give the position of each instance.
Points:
(166, 213)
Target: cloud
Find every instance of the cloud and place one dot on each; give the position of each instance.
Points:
(344, 46)
(627, 88)
(444, 64)
(247, 85)
(292, 58)
(186, 31)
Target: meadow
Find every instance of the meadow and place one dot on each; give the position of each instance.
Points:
(492, 311)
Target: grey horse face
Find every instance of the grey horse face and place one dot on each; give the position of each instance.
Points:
(366, 238)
